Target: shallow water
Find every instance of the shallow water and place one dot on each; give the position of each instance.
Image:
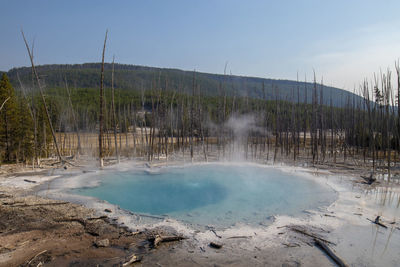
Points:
(212, 194)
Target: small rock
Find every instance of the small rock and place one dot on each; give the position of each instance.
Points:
(102, 243)
(215, 245)
(96, 228)
(107, 210)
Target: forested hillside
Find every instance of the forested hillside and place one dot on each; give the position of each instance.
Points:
(131, 77)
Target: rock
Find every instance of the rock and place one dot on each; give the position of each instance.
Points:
(96, 228)
(215, 245)
(102, 243)
(107, 210)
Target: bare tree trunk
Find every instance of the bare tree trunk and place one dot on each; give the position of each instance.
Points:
(43, 99)
(74, 118)
(102, 105)
(192, 117)
(113, 113)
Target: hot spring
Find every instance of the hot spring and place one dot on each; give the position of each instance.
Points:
(216, 195)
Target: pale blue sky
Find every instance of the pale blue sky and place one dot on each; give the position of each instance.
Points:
(344, 41)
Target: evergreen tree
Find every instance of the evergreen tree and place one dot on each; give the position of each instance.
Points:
(44, 137)
(25, 134)
(8, 121)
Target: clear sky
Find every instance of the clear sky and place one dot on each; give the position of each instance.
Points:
(345, 41)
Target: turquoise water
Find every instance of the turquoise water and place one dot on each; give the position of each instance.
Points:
(218, 195)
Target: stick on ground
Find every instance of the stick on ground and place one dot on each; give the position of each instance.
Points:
(330, 253)
(377, 222)
(161, 239)
(311, 235)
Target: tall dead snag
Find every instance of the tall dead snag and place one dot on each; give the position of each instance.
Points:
(5, 101)
(277, 126)
(333, 138)
(192, 116)
(293, 124)
(305, 114)
(113, 112)
(397, 66)
(298, 118)
(43, 99)
(101, 105)
(370, 131)
(387, 90)
(200, 116)
(171, 129)
(312, 126)
(322, 137)
(73, 116)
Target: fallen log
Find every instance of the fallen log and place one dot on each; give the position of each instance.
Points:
(311, 235)
(291, 245)
(81, 221)
(132, 260)
(162, 239)
(215, 233)
(12, 203)
(378, 222)
(78, 220)
(239, 236)
(149, 216)
(40, 204)
(97, 218)
(40, 253)
(330, 253)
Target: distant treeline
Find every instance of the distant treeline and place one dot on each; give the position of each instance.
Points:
(131, 77)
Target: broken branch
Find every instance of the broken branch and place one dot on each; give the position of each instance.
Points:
(330, 253)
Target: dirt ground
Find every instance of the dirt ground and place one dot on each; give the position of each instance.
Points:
(36, 231)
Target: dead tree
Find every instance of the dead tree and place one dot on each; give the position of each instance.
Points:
(101, 116)
(43, 99)
(73, 117)
(113, 113)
